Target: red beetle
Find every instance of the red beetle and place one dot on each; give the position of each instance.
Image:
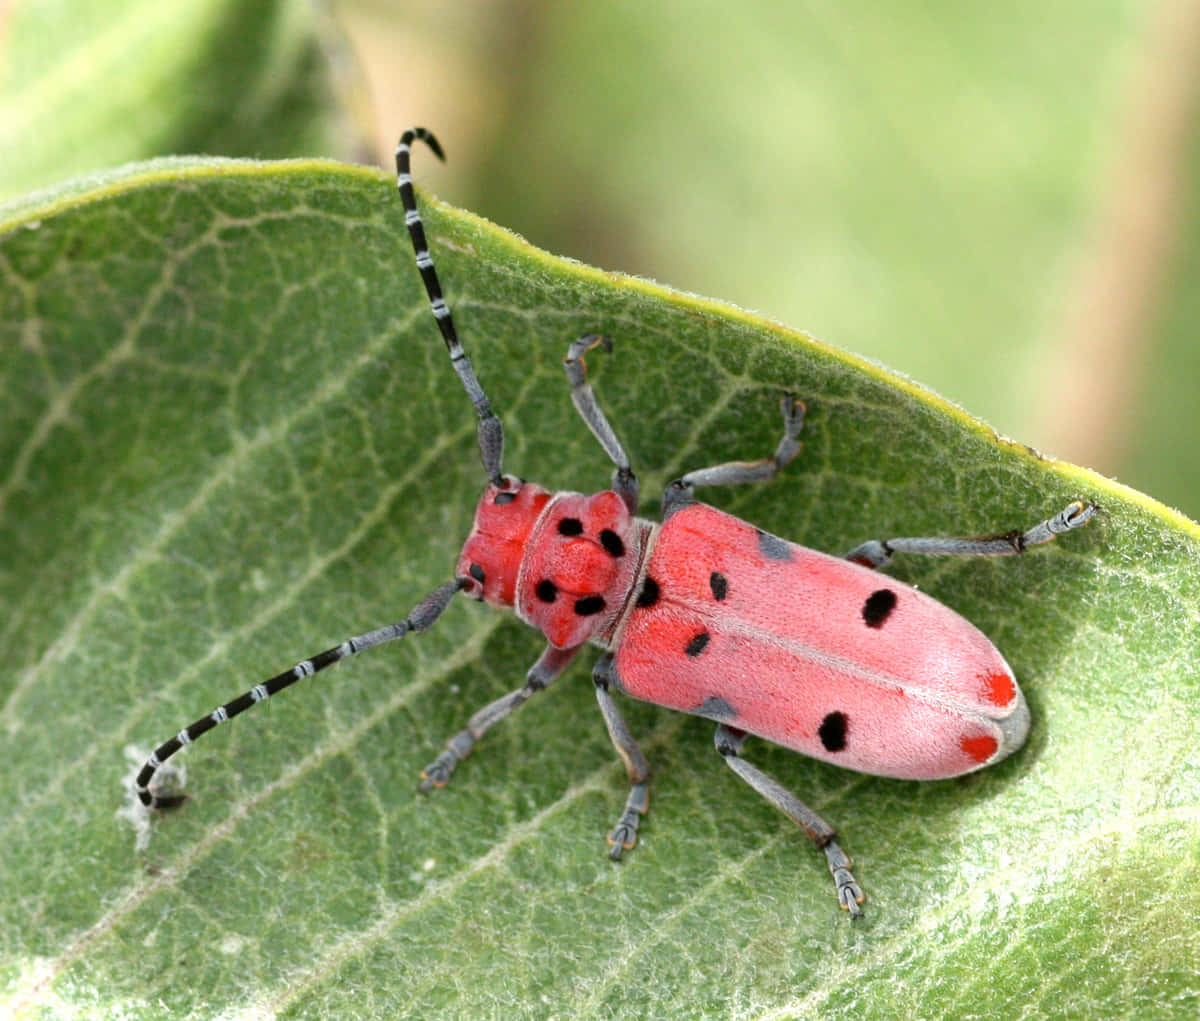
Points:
(707, 614)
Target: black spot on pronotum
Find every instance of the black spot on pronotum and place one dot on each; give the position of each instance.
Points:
(878, 607)
(716, 708)
(612, 543)
(697, 644)
(476, 572)
(649, 594)
(589, 605)
(719, 585)
(503, 498)
(570, 526)
(546, 590)
(772, 547)
(832, 732)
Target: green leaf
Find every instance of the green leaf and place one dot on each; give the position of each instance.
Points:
(229, 438)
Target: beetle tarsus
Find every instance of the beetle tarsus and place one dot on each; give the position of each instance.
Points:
(624, 835)
(849, 893)
(437, 773)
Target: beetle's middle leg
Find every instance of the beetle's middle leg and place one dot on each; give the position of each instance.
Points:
(735, 473)
(624, 834)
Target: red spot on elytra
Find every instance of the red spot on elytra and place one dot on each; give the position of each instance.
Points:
(979, 748)
(999, 689)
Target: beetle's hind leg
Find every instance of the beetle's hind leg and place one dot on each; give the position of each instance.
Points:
(729, 743)
(878, 552)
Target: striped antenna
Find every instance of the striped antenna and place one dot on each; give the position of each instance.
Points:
(491, 446)
(421, 617)
(491, 432)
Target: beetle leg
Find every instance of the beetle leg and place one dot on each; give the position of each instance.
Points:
(625, 483)
(624, 834)
(877, 552)
(729, 743)
(733, 473)
(549, 665)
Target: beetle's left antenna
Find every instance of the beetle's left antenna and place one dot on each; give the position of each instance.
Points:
(491, 432)
(420, 617)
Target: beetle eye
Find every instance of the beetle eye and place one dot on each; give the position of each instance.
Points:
(507, 491)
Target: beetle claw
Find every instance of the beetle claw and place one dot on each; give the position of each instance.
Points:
(624, 835)
(437, 773)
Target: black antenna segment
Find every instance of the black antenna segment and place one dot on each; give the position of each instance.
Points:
(491, 432)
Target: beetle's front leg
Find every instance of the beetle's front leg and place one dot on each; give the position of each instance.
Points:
(625, 482)
(549, 665)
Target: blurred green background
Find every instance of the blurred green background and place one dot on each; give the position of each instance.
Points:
(996, 199)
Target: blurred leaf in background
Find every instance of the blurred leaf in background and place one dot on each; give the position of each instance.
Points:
(89, 84)
(996, 199)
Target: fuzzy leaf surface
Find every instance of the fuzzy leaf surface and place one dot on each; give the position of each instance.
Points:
(230, 438)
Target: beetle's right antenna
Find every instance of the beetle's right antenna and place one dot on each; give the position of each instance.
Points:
(491, 432)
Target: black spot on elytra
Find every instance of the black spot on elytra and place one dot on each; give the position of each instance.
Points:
(772, 547)
(612, 543)
(832, 732)
(719, 585)
(716, 708)
(503, 498)
(649, 594)
(546, 590)
(589, 605)
(878, 607)
(697, 644)
(570, 526)
(476, 572)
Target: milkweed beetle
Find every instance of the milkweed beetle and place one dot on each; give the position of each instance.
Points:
(707, 614)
